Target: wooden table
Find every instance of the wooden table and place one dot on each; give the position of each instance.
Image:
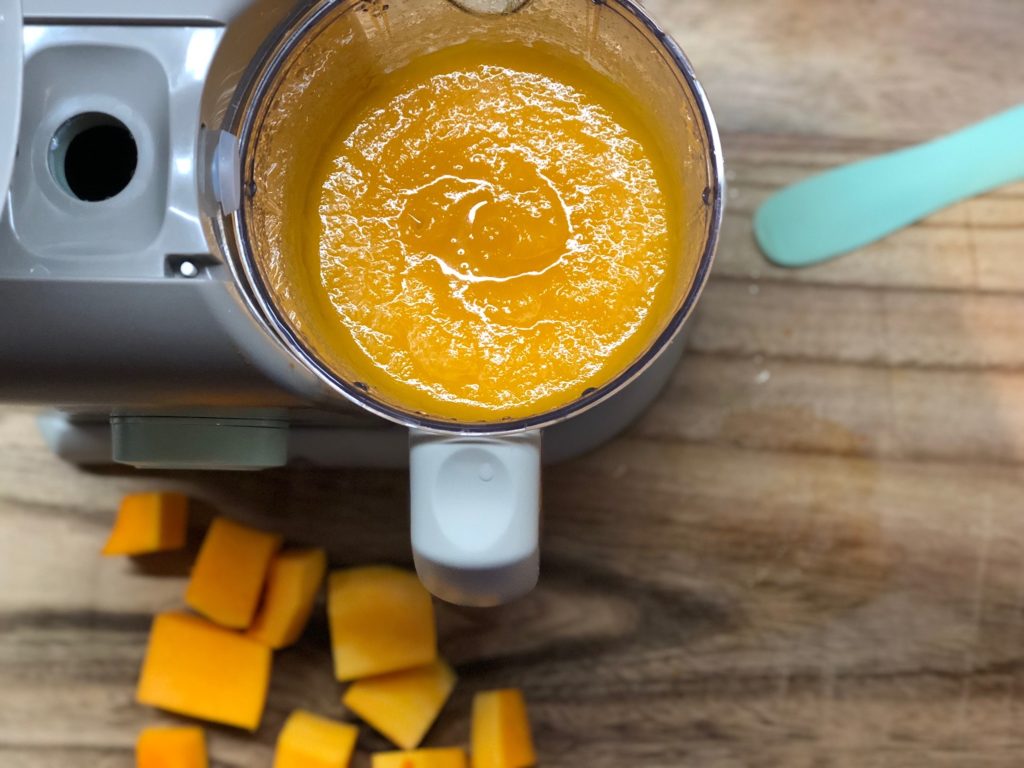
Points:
(810, 553)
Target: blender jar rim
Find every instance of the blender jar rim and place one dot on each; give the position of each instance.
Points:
(242, 119)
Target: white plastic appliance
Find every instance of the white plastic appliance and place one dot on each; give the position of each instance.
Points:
(132, 294)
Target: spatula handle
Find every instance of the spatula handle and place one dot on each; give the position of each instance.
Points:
(846, 208)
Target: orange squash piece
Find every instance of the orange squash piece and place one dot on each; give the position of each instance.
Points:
(196, 668)
(148, 522)
(500, 732)
(422, 758)
(402, 705)
(171, 748)
(381, 619)
(228, 576)
(292, 584)
(310, 741)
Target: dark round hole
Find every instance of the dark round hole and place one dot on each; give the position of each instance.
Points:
(93, 156)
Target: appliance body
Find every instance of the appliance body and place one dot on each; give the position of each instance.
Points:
(119, 314)
(131, 293)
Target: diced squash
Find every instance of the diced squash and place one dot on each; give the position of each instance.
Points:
(381, 619)
(500, 734)
(196, 668)
(171, 748)
(148, 522)
(228, 576)
(292, 584)
(402, 705)
(310, 741)
(422, 758)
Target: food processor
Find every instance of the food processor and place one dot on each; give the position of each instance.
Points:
(147, 150)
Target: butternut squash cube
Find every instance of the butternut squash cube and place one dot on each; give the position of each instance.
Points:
(228, 576)
(148, 522)
(402, 705)
(310, 741)
(171, 748)
(195, 668)
(500, 733)
(381, 619)
(422, 758)
(292, 584)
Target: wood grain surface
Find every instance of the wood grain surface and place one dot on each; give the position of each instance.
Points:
(809, 553)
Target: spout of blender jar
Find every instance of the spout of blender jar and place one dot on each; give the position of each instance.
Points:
(475, 506)
(490, 7)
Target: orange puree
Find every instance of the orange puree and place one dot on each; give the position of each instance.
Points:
(491, 231)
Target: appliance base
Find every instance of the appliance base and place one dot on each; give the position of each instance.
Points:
(320, 439)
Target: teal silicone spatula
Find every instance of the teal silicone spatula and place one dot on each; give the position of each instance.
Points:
(851, 206)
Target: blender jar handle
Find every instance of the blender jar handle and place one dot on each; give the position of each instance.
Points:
(476, 515)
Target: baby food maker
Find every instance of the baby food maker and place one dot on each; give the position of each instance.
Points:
(146, 149)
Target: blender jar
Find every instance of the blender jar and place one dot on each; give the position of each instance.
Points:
(475, 486)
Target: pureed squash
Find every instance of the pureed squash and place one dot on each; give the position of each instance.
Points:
(491, 233)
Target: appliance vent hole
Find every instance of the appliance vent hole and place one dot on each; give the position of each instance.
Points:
(93, 156)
